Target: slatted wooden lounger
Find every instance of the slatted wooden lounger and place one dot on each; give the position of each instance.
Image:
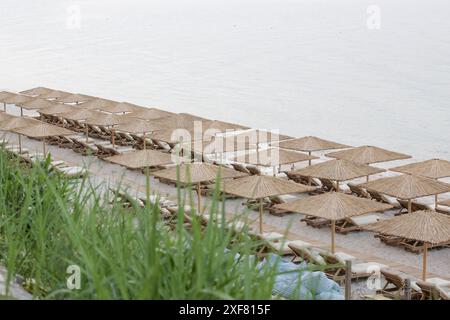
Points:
(316, 222)
(382, 198)
(328, 185)
(357, 191)
(355, 223)
(394, 287)
(359, 269)
(240, 168)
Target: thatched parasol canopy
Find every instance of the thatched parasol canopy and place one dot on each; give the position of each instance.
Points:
(4, 95)
(137, 126)
(272, 157)
(435, 168)
(105, 119)
(221, 126)
(173, 136)
(17, 99)
(42, 130)
(215, 145)
(120, 107)
(197, 172)
(4, 116)
(334, 206)
(98, 104)
(12, 122)
(262, 186)
(38, 103)
(54, 94)
(56, 109)
(309, 144)
(261, 136)
(37, 91)
(141, 159)
(368, 155)
(407, 186)
(75, 98)
(150, 113)
(338, 170)
(80, 114)
(429, 227)
(259, 187)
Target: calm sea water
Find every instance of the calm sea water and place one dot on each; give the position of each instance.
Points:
(306, 67)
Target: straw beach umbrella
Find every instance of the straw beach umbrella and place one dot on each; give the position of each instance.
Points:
(310, 144)
(150, 113)
(18, 100)
(259, 187)
(368, 155)
(196, 173)
(338, 170)
(272, 157)
(142, 159)
(38, 103)
(407, 187)
(4, 95)
(42, 130)
(36, 91)
(56, 108)
(11, 122)
(105, 120)
(137, 127)
(98, 104)
(257, 136)
(121, 107)
(334, 206)
(428, 227)
(75, 98)
(54, 94)
(434, 169)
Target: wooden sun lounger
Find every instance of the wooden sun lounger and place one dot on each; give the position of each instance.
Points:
(389, 240)
(355, 223)
(328, 185)
(359, 269)
(72, 172)
(394, 287)
(381, 198)
(357, 191)
(417, 247)
(240, 168)
(430, 291)
(316, 222)
(253, 170)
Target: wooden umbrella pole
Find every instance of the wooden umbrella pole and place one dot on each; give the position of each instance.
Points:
(43, 145)
(260, 215)
(113, 137)
(147, 184)
(20, 143)
(436, 200)
(367, 178)
(333, 235)
(21, 111)
(145, 138)
(274, 171)
(309, 161)
(424, 261)
(337, 186)
(199, 198)
(409, 206)
(87, 133)
(4, 106)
